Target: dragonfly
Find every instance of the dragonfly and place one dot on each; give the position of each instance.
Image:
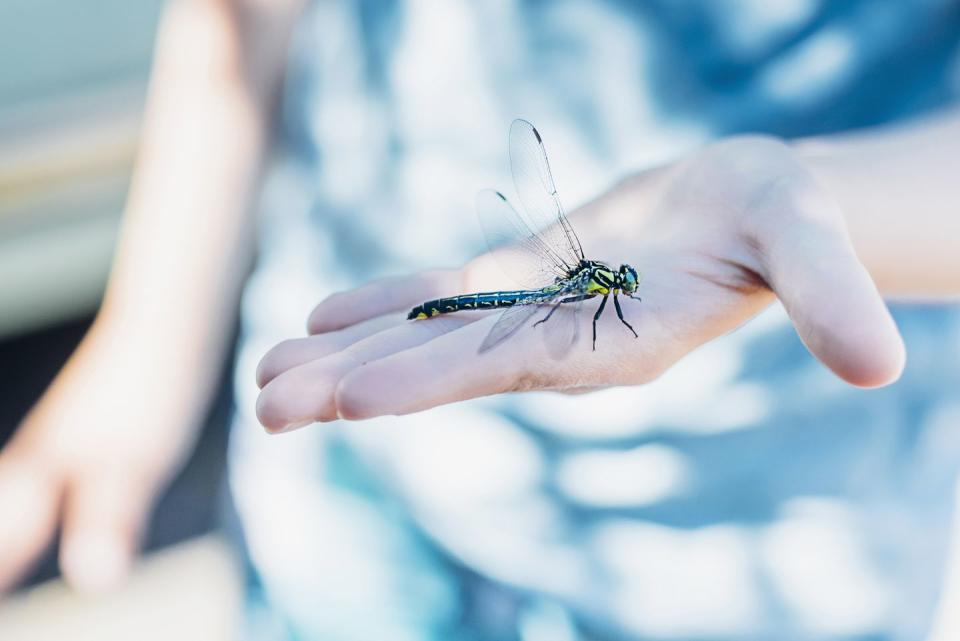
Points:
(540, 250)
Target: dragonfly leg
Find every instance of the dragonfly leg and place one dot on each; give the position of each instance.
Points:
(596, 316)
(616, 303)
(569, 299)
(553, 308)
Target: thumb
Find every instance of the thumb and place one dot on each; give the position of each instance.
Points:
(103, 519)
(830, 297)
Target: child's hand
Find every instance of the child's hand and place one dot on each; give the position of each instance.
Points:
(716, 237)
(89, 460)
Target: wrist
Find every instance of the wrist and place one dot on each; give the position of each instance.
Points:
(142, 360)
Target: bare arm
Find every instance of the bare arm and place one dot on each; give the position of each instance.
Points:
(120, 416)
(899, 189)
(186, 244)
(186, 237)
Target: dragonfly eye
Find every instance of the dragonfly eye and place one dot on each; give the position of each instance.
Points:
(629, 278)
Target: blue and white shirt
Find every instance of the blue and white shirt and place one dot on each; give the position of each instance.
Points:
(747, 494)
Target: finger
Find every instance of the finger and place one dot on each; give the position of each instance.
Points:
(834, 304)
(29, 503)
(444, 370)
(103, 519)
(381, 297)
(450, 368)
(304, 394)
(297, 351)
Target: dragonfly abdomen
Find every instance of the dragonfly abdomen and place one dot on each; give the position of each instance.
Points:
(481, 300)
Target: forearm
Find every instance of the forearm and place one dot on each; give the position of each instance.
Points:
(900, 193)
(186, 238)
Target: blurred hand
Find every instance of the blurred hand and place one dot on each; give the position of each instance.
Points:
(90, 457)
(716, 237)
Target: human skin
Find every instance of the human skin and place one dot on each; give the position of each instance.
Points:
(824, 225)
(119, 419)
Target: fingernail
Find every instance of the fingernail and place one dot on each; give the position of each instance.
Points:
(95, 564)
(294, 426)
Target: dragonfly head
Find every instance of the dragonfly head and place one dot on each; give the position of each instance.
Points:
(629, 279)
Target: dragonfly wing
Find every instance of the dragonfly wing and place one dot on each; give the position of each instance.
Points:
(537, 191)
(508, 324)
(562, 331)
(522, 254)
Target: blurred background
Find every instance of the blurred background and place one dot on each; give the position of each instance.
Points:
(73, 79)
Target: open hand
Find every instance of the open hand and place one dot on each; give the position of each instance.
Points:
(716, 236)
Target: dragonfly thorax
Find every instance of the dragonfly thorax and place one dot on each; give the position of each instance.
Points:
(602, 279)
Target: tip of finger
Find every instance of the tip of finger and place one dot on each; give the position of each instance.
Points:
(270, 413)
(321, 321)
(264, 373)
(328, 315)
(94, 564)
(863, 357)
(283, 406)
(278, 359)
(879, 366)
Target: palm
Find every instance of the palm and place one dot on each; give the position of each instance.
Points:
(708, 234)
(698, 283)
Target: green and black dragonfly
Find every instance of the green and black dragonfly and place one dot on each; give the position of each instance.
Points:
(543, 254)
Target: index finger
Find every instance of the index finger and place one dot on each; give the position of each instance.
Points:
(380, 297)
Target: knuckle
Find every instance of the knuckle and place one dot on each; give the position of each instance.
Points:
(349, 401)
(763, 183)
(744, 163)
(526, 380)
(729, 178)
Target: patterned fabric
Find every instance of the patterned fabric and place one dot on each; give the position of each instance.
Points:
(747, 494)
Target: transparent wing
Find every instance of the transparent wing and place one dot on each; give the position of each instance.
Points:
(508, 324)
(562, 331)
(533, 181)
(521, 253)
